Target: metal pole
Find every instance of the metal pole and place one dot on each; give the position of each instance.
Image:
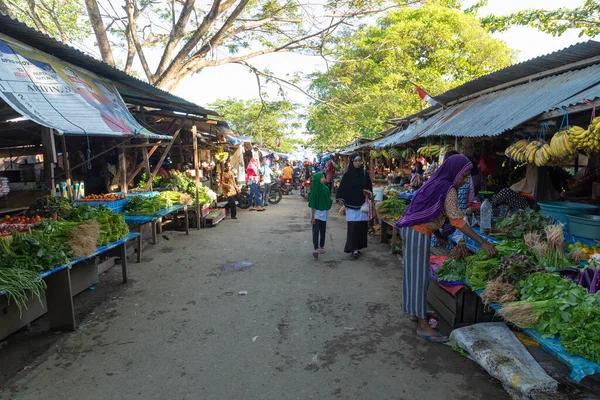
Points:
(197, 177)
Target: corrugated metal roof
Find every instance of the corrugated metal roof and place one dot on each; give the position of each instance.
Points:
(145, 92)
(494, 113)
(576, 53)
(573, 54)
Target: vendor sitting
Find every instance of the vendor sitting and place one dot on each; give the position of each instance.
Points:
(519, 195)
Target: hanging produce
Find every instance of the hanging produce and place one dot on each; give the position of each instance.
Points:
(588, 140)
(374, 153)
(407, 153)
(561, 145)
(430, 150)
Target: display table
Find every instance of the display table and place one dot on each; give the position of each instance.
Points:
(155, 220)
(385, 223)
(579, 366)
(60, 282)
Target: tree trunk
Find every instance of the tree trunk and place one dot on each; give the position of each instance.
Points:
(100, 32)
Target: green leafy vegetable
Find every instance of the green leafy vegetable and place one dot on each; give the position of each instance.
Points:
(452, 270)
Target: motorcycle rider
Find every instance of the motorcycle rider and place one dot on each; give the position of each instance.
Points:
(230, 189)
(265, 172)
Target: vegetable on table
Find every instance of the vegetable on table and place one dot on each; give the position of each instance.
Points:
(19, 284)
(452, 270)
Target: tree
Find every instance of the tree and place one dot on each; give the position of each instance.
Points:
(57, 18)
(174, 39)
(267, 120)
(435, 47)
(585, 18)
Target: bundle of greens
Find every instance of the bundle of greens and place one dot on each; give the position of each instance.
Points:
(172, 197)
(550, 254)
(142, 205)
(392, 208)
(35, 251)
(517, 224)
(480, 269)
(452, 270)
(81, 237)
(515, 267)
(582, 335)
(49, 206)
(112, 226)
(157, 182)
(19, 283)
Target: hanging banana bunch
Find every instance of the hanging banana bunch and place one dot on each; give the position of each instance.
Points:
(561, 145)
(430, 150)
(588, 140)
(384, 153)
(374, 153)
(395, 153)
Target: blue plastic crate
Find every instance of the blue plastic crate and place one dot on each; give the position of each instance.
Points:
(117, 206)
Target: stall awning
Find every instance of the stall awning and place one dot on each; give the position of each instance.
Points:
(495, 113)
(58, 95)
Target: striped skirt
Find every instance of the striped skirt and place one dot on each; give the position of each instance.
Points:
(415, 280)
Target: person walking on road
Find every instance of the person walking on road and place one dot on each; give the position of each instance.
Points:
(266, 173)
(356, 187)
(252, 179)
(230, 190)
(434, 203)
(320, 203)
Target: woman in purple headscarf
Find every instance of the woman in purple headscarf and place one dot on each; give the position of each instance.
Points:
(434, 203)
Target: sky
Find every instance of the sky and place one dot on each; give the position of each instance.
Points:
(235, 81)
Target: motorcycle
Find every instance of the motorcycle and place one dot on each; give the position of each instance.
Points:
(286, 188)
(243, 197)
(276, 193)
(305, 189)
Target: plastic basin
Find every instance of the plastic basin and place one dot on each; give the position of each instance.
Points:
(559, 209)
(585, 226)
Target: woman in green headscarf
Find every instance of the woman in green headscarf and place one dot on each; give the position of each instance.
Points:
(320, 204)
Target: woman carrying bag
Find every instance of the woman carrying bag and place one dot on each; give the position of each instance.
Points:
(354, 191)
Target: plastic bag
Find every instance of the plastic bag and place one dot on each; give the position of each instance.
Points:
(497, 350)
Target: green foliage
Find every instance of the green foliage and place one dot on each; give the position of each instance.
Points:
(60, 19)
(585, 18)
(436, 47)
(452, 270)
(274, 120)
(582, 335)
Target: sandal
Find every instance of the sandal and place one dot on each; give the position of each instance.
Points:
(321, 250)
(315, 254)
(439, 338)
(355, 254)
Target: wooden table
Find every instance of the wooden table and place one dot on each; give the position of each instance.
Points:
(384, 233)
(58, 299)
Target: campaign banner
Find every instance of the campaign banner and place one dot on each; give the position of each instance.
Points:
(58, 95)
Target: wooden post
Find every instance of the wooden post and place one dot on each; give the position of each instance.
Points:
(66, 167)
(146, 161)
(122, 169)
(140, 166)
(197, 177)
(50, 158)
(162, 158)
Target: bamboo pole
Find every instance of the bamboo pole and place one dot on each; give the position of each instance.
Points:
(122, 170)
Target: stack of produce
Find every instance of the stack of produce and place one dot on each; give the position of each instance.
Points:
(142, 205)
(112, 225)
(561, 145)
(104, 197)
(391, 208)
(522, 221)
(49, 206)
(452, 270)
(23, 257)
(401, 154)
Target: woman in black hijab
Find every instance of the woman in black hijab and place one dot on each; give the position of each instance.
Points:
(354, 189)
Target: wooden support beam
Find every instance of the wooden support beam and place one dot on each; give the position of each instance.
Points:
(141, 165)
(50, 158)
(65, 159)
(197, 177)
(162, 159)
(22, 151)
(123, 170)
(146, 160)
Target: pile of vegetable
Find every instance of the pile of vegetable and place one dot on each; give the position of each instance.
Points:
(112, 225)
(522, 221)
(452, 270)
(142, 205)
(391, 208)
(49, 206)
(105, 197)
